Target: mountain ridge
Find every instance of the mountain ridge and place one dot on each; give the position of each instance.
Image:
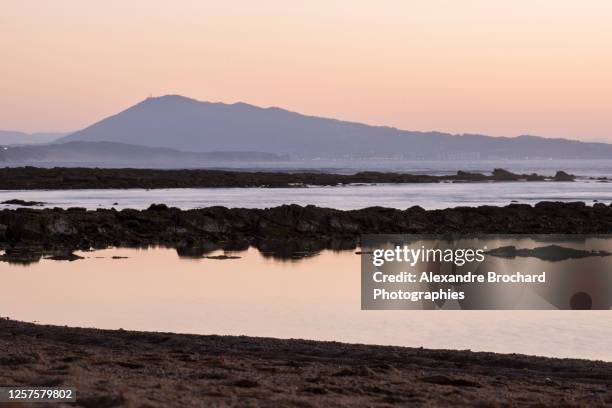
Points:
(121, 155)
(13, 137)
(182, 123)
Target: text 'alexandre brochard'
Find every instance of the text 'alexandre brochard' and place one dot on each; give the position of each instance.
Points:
(426, 266)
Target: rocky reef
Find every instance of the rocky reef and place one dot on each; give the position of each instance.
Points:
(23, 203)
(29, 233)
(22, 178)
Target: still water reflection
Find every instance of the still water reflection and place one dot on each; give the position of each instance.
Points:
(314, 298)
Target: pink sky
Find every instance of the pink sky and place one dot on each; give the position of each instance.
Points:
(495, 67)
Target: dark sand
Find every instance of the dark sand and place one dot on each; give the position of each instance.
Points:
(135, 369)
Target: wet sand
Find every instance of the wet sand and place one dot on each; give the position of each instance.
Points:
(124, 368)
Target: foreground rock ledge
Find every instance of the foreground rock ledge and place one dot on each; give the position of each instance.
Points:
(123, 368)
(279, 231)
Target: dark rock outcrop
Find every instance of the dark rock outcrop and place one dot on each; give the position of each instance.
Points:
(280, 231)
(563, 176)
(22, 203)
(28, 178)
(64, 256)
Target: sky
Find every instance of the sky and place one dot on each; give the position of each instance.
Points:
(502, 68)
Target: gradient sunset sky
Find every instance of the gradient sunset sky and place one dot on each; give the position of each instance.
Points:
(494, 67)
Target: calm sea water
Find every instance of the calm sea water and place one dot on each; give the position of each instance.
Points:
(430, 196)
(313, 298)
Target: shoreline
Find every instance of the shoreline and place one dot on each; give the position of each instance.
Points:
(62, 178)
(115, 367)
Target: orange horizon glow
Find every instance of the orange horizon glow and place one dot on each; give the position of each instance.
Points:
(490, 67)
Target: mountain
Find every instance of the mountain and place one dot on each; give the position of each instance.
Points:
(109, 154)
(182, 123)
(8, 137)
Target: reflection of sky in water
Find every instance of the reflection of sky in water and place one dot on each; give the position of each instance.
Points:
(316, 298)
(401, 196)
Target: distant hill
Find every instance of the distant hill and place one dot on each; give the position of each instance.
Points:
(186, 124)
(8, 137)
(109, 154)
